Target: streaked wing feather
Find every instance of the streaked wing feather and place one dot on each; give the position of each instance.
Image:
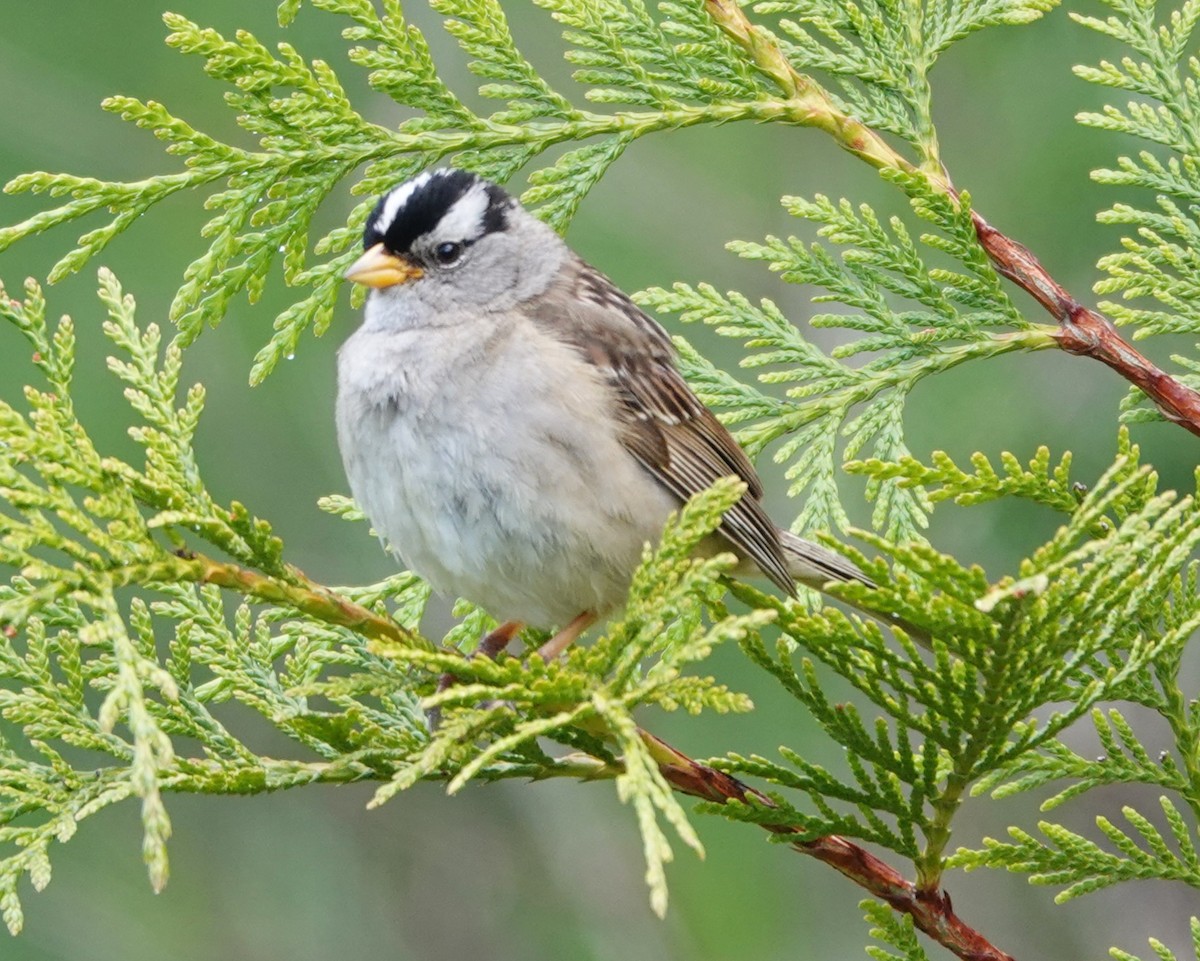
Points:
(666, 428)
(693, 468)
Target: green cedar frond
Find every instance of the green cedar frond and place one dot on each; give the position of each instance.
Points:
(894, 931)
(914, 319)
(1039, 482)
(482, 31)
(1158, 686)
(1124, 761)
(1157, 265)
(80, 526)
(1082, 866)
(1161, 951)
(1147, 559)
(310, 138)
(1012, 666)
(945, 480)
(880, 53)
(560, 188)
(49, 460)
(624, 56)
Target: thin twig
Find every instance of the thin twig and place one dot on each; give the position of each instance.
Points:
(931, 911)
(808, 104)
(306, 596)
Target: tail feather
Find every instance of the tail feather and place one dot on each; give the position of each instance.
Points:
(815, 566)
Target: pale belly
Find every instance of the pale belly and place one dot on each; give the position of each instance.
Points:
(528, 505)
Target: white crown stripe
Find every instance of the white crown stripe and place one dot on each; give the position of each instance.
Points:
(398, 198)
(464, 219)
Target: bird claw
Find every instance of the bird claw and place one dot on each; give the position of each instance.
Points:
(492, 644)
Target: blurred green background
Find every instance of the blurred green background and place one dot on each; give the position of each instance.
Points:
(553, 870)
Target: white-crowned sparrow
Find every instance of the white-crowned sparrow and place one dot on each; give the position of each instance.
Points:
(513, 424)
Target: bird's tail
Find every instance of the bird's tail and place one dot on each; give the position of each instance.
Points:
(815, 566)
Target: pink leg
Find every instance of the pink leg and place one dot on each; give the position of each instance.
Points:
(566, 637)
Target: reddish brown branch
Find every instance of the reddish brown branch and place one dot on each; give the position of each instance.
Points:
(1086, 332)
(931, 911)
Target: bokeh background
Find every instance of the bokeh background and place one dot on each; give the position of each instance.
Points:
(552, 870)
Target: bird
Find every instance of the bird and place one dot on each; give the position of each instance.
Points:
(515, 427)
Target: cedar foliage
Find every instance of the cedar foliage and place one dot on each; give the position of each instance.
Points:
(119, 639)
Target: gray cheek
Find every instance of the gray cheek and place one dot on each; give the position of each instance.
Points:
(488, 279)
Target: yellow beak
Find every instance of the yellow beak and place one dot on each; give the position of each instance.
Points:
(379, 268)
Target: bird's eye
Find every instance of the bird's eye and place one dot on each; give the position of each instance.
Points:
(448, 253)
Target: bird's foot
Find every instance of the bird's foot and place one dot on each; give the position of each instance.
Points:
(492, 644)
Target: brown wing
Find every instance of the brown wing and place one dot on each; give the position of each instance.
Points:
(666, 428)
